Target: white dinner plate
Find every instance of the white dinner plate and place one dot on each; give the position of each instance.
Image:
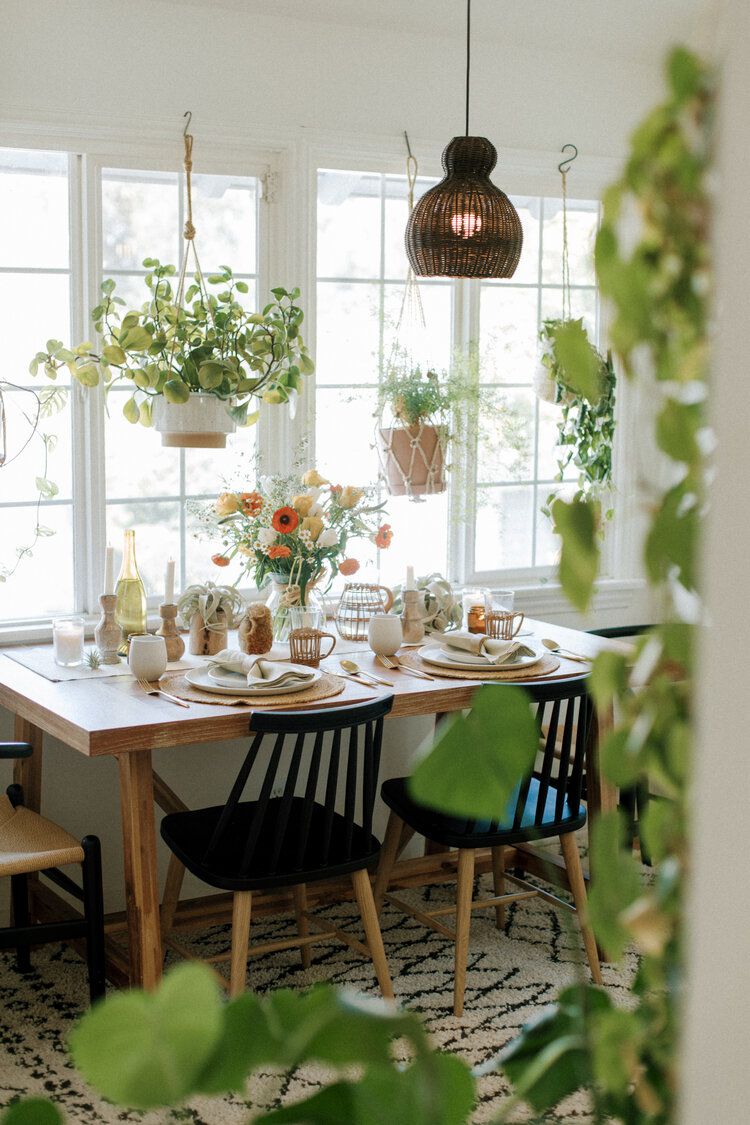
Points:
(468, 662)
(235, 684)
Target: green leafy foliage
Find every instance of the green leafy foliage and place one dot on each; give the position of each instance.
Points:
(576, 524)
(477, 760)
(31, 1111)
(208, 343)
(145, 1050)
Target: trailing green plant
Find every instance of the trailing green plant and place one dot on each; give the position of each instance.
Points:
(47, 402)
(209, 343)
(582, 382)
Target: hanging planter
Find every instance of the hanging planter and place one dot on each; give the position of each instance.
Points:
(412, 459)
(202, 422)
(198, 361)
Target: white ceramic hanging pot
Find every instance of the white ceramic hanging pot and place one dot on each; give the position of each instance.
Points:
(200, 423)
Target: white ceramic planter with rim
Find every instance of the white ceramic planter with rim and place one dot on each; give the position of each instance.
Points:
(200, 423)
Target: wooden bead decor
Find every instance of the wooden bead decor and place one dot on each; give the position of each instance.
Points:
(255, 633)
(359, 602)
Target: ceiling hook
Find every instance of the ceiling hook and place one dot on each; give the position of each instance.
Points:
(564, 165)
(189, 116)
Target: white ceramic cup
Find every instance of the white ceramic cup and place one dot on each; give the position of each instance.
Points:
(147, 657)
(384, 634)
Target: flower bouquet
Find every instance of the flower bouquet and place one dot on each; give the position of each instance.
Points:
(294, 530)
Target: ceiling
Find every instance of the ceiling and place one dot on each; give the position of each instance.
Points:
(626, 29)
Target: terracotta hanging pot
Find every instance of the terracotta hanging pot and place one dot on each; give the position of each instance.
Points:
(412, 458)
(200, 423)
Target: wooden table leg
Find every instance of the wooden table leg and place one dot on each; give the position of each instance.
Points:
(27, 772)
(141, 873)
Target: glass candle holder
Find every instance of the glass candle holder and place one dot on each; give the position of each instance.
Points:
(473, 606)
(67, 641)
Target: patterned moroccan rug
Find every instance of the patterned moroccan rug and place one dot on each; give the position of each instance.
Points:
(511, 977)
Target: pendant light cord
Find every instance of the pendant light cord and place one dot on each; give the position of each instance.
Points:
(468, 59)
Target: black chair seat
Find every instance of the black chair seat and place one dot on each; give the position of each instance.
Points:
(301, 855)
(508, 829)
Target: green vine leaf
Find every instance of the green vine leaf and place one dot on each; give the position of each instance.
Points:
(576, 524)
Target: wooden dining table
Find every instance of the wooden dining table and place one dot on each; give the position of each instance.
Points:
(113, 717)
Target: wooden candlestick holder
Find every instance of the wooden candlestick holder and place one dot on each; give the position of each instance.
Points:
(412, 619)
(168, 630)
(108, 634)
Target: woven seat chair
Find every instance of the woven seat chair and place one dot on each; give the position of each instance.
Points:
(29, 844)
(311, 821)
(547, 803)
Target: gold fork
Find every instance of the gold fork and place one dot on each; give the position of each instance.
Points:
(157, 691)
(393, 662)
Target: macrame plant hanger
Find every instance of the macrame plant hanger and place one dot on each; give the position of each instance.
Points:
(188, 235)
(563, 168)
(411, 315)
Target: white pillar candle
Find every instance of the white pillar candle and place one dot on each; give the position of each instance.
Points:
(67, 640)
(169, 583)
(410, 578)
(109, 570)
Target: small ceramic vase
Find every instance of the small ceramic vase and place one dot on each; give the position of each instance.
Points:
(108, 634)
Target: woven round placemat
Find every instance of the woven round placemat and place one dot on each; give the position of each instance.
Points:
(325, 687)
(546, 665)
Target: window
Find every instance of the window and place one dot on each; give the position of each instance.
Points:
(497, 524)
(35, 274)
(361, 278)
(147, 486)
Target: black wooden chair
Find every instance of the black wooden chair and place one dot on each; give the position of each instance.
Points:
(546, 803)
(635, 799)
(29, 843)
(311, 820)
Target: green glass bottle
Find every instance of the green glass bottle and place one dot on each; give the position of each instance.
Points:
(130, 609)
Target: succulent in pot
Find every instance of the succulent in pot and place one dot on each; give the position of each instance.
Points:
(209, 611)
(207, 352)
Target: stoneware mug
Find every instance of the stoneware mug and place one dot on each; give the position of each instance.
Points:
(147, 657)
(384, 634)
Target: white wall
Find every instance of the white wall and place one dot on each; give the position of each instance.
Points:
(254, 73)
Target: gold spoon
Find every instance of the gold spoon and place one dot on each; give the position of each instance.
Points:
(355, 670)
(553, 646)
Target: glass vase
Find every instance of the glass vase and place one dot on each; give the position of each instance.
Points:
(285, 594)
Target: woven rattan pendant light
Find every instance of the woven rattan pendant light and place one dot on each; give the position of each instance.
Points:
(465, 226)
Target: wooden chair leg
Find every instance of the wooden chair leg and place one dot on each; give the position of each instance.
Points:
(19, 890)
(498, 882)
(389, 853)
(303, 928)
(93, 908)
(574, 870)
(171, 897)
(241, 906)
(463, 925)
(366, 903)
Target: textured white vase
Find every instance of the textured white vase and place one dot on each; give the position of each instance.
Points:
(200, 423)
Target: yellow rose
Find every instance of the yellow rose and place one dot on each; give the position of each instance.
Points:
(246, 549)
(314, 525)
(303, 503)
(226, 503)
(313, 478)
(349, 497)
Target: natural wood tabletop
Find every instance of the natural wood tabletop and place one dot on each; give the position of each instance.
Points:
(114, 716)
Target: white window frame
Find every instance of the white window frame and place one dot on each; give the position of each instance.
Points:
(287, 161)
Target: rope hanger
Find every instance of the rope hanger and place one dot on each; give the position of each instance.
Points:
(563, 168)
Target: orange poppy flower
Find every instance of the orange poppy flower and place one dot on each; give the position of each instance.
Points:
(384, 536)
(285, 520)
(280, 552)
(348, 566)
(220, 560)
(252, 503)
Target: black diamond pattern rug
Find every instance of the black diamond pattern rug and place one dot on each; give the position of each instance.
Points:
(511, 976)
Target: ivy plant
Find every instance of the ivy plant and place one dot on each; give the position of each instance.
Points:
(209, 343)
(582, 383)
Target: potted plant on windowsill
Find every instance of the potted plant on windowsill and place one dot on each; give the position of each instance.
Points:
(209, 611)
(197, 365)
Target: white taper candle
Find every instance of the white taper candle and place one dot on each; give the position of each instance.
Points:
(169, 583)
(109, 570)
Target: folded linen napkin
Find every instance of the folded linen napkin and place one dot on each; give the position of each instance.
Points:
(260, 671)
(493, 651)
